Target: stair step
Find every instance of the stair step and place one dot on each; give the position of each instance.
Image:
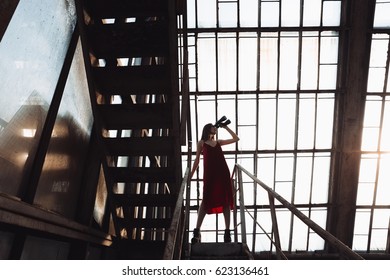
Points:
(142, 175)
(101, 9)
(220, 251)
(138, 146)
(129, 249)
(151, 79)
(144, 223)
(144, 200)
(138, 116)
(146, 39)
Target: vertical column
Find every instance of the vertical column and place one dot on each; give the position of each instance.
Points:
(354, 61)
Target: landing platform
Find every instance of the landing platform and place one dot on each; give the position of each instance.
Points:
(220, 251)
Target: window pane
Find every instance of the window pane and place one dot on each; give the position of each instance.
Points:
(306, 122)
(288, 63)
(365, 195)
(267, 122)
(324, 126)
(205, 104)
(329, 49)
(376, 79)
(265, 173)
(249, 13)
(300, 232)
(227, 64)
(291, 12)
(62, 171)
(284, 168)
(303, 178)
(385, 140)
(284, 221)
(247, 110)
(370, 139)
(331, 13)
(34, 46)
(227, 14)
(368, 165)
(207, 13)
(311, 12)
(191, 20)
(328, 76)
(379, 47)
(383, 188)
(381, 18)
(247, 63)
(206, 64)
(372, 114)
(268, 63)
(378, 239)
(361, 229)
(269, 14)
(248, 137)
(321, 179)
(286, 122)
(309, 64)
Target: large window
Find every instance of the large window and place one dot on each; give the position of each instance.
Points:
(271, 67)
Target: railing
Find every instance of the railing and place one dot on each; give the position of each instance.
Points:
(272, 195)
(174, 241)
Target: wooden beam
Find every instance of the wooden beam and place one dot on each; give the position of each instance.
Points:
(354, 60)
(18, 213)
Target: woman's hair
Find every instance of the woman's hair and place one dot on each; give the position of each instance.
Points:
(206, 132)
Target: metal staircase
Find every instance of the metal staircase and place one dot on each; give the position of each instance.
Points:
(131, 58)
(220, 251)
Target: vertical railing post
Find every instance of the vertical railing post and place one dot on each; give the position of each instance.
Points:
(275, 227)
(242, 206)
(388, 240)
(235, 190)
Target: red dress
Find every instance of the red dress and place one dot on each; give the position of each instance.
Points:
(217, 185)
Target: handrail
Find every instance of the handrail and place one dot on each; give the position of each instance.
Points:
(174, 241)
(331, 239)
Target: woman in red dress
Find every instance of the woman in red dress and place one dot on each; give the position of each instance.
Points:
(217, 186)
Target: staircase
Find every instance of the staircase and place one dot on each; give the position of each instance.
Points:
(131, 58)
(220, 251)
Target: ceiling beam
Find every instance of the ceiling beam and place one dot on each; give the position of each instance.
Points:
(354, 60)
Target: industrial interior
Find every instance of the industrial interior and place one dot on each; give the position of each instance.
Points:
(103, 102)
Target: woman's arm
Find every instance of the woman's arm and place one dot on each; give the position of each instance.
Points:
(234, 138)
(199, 148)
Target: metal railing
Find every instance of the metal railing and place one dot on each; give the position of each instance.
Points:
(272, 195)
(174, 241)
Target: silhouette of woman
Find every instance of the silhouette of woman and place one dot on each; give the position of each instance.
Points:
(217, 186)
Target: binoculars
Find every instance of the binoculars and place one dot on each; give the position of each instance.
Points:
(222, 122)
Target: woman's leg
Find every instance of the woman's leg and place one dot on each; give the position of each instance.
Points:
(201, 215)
(226, 214)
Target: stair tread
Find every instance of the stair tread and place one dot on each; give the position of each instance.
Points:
(142, 174)
(212, 250)
(146, 39)
(139, 116)
(144, 199)
(144, 222)
(132, 79)
(124, 9)
(140, 249)
(137, 146)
